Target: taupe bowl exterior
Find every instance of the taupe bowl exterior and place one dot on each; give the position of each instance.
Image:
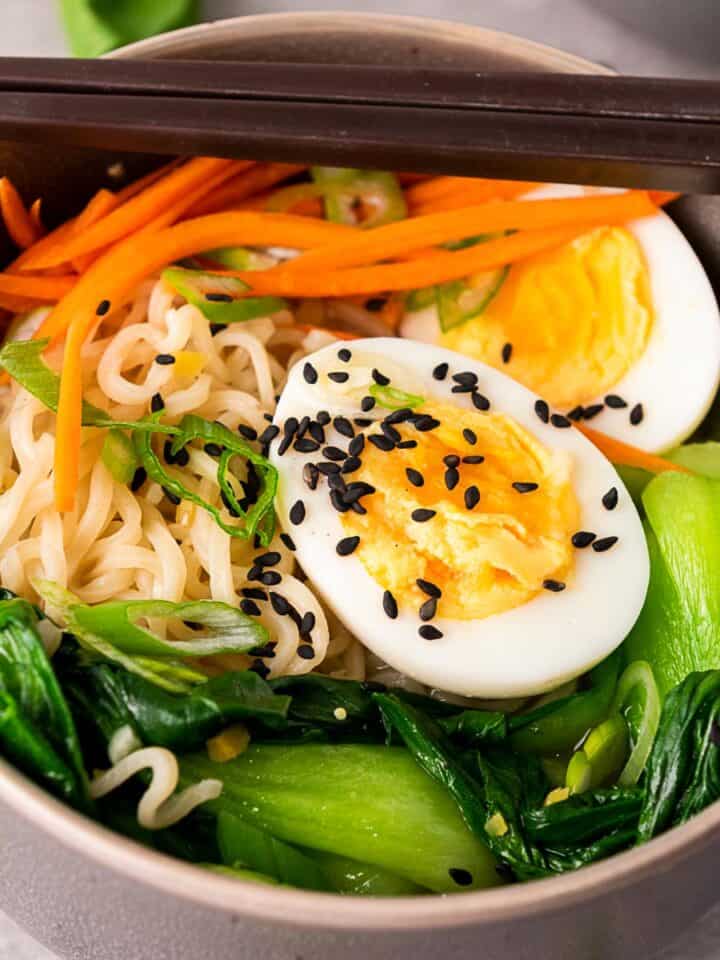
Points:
(91, 895)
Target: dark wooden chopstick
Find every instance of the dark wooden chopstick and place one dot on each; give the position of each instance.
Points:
(620, 131)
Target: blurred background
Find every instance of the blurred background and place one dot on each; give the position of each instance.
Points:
(674, 37)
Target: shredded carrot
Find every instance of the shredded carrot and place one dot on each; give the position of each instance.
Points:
(98, 207)
(136, 212)
(36, 216)
(43, 289)
(23, 230)
(409, 275)
(137, 186)
(309, 207)
(256, 180)
(661, 197)
(394, 239)
(626, 455)
(475, 190)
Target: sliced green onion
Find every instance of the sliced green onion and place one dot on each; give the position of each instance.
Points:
(345, 188)
(600, 757)
(118, 455)
(196, 285)
(638, 701)
(240, 258)
(419, 299)
(459, 301)
(392, 399)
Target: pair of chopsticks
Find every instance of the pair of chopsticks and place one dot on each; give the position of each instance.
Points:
(616, 131)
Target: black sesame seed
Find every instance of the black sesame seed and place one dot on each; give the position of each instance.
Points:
(414, 476)
(254, 573)
(422, 515)
(346, 546)
(334, 453)
(339, 376)
(428, 632)
(310, 475)
(470, 436)
(577, 413)
(323, 418)
(289, 430)
(327, 468)
(139, 478)
(380, 379)
(357, 507)
(425, 422)
(357, 490)
(279, 604)
(218, 297)
(310, 373)
(604, 543)
(271, 578)
(636, 414)
(258, 667)
(250, 608)
(428, 587)
(266, 650)
(337, 501)
(297, 513)
(172, 497)
(451, 460)
(344, 427)
(610, 499)
(399, 416)
(157, 403)
(168, 455)
(524, 487)
(362, 421)
(582, 539)
(249, 433)
(452, 478)
(542, 410)
(268, 559)
(307, 623)
(216, 328)
(306, 445)
(480, 401)
(390, 432)
(471, 497)
(103, 308)
(302, 426)
(269, 434)
(506, 352)
(356, 445)
(366, 404)
(381, 442)
(467, 376)
(351, 465)
(559, 421)
(288, 541)
(254, 593)
(337, 482)
(593, 410)
(375, 303)
(554, 586)
(440, 371)
(305, 651)
(474, 458)
(344, 355)
(316, 432)
(165, 359)
(428, 609)
(213, 449)
(390, 605)
(615, 402)
(463, 878)
(463, 388)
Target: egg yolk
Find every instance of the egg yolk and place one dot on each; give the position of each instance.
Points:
(577, 318)
(485, 558)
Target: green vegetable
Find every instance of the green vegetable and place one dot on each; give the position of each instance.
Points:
(364, 879)
(419, 299)
(118, 455)
(560, 725)
(702, 458)
(459, 301)
(584, 818)
(601, 756)
(96, 26)
(36, 728)
(678, 630)
(392, 399)
(683, 770)
(474, 727)
(259, 518)
(238, 872)
(195, 285)
(635, 479)
(240, 258)
(369, 803)
(638, 700)
(345, 190)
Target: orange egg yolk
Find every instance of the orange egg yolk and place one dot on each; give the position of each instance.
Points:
(577, 318)
(485, 558)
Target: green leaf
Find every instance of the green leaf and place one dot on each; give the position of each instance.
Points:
(195, 285)
(95, 27)
(585, 817)
(118, 455)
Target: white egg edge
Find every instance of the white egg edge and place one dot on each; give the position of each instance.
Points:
(528, 650)
(678, 375)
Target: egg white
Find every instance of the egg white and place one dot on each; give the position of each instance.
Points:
(678, 374)
(528, 650)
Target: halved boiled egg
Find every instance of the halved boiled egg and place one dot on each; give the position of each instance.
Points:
(468, 537)
(620, 327)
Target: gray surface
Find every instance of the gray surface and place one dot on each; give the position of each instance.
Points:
(30, 28)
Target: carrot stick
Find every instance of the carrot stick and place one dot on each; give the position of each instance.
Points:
(456, 199)
(116, 275)
(136, 212)
(408, 275)
(36, 216)
(394, 239)
(137, 186)
(19, 224)
(477, 188)
(257, 179)
(44, 289)
(626, 455)
(661, 197)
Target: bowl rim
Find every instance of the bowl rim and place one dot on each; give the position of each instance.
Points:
(302, 909)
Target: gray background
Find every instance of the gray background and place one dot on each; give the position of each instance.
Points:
(671, 37)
